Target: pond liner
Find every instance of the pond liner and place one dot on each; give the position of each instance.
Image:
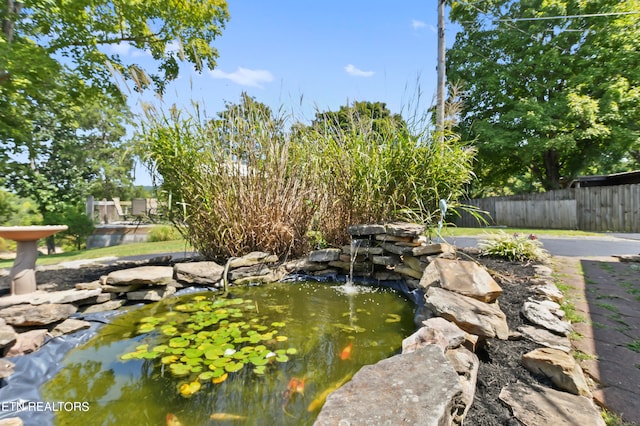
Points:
(20, 392)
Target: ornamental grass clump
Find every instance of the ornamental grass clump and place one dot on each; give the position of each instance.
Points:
(244, 181)
(513, 247)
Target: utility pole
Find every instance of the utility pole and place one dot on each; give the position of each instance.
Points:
(441, 72)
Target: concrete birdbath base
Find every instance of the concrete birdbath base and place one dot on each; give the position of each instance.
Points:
(23, 272)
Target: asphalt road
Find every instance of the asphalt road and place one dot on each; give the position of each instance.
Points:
(617, 244)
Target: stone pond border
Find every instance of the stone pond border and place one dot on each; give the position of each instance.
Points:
(437, 369)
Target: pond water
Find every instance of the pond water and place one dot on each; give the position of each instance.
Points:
(263, 355)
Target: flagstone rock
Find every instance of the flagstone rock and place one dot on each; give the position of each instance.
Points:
(30, 315)
(550, 291)
(545, 338)
(89, 286)
(361, 230)
(396, 249)
(540, 315)
(65, 296)
(537, 405)
(436, 331)
(471, 315)
(406, 270)
(200, 273)
(389, 393)
(392, 238)
(430, 249)
(151, 295)
(249, 271)
(141, 275)
(27, 342)
(68, 326)
(271, 277)
(463, 277)
(107, 306)
(560, 367)
(19, 299)
(253, 258)
(466, 364)
(325, 255)
(106, 288)
(7, 336)
(404, 229)
(414, 263)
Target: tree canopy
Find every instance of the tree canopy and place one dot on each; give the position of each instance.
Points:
(63, 117)
(552, 88)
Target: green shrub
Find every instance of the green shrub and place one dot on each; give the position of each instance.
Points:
(164, 233)
(513, 247)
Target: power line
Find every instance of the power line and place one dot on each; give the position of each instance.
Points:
(589, 15)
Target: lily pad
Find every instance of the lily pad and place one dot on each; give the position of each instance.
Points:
(188, 389)
(220, 379)
(232, 367)
(169, 359)
(260, 369)
(179, 369)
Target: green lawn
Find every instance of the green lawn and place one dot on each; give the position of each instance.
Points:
(453, 231)
(181, 245)
(118, 251)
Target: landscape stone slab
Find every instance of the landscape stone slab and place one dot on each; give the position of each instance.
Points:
(27, 342)
(253, 258)
(430, 249)
(546, 338)
(107, 306)
(471, 315)
(463, 277)
(403, 229)
(202, 273)
(141, 275)
(390, 393)
(540, 315)
(65, 296)
(537, 405)
(19, 299)
(361, 230)
(30, 315)
(7, 336)
(325, 255)
(68, 326)
(152, 294)
(560, 367)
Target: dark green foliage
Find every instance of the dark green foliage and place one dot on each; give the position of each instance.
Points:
(547, 99)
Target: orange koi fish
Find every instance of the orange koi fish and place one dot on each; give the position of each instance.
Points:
(295, 385)
(172, 420)
(346, 352)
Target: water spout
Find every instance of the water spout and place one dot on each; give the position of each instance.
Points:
(355, 245)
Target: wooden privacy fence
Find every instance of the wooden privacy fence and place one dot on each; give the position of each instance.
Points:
(596, 208)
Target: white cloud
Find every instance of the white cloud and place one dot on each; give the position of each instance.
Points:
(417, 24)
(244, 76)
(122, 48)
(352, 70)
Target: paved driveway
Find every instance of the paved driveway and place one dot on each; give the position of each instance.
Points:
(606, 245)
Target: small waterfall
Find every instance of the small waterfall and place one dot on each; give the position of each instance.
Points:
(355, 245)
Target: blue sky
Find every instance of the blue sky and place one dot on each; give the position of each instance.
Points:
(306, 56)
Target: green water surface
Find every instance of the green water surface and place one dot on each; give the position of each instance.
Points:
(322, 337)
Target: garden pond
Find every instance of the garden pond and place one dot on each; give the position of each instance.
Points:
(261, 355)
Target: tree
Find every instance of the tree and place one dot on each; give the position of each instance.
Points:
(35, 37)
(371, 118)
(552, 88)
